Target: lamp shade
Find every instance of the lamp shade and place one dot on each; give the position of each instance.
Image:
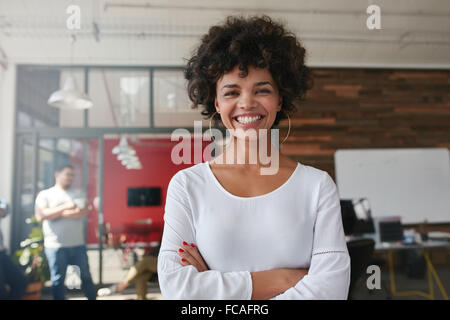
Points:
(69, 97)
(123, 148)
(127, 157)
(134, 166)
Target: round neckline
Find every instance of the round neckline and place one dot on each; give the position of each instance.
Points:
(211, 173)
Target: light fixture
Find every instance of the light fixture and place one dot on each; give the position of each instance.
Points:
(126, 154)
(134, 167)
(133, 164)
(69, 97)
(128, 157)
(130, 161)
(123, 147)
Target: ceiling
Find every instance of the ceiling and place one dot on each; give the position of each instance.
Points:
(414, 33)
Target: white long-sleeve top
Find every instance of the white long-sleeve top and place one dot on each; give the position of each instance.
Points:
(298, 225)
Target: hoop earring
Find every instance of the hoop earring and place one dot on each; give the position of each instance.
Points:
(289, 130)
(210, 130)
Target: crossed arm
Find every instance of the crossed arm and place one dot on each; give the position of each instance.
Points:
(66, 210)
(266, 284)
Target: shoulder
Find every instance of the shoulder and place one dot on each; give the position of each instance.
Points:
(188, 177)
(187, 174)
(45, 192)
(317, 181)
(182, 190)
(314, 174)
(43, 196)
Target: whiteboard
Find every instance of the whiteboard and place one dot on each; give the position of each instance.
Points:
(411, 183)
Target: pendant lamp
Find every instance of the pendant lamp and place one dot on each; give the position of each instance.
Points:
(69, 97)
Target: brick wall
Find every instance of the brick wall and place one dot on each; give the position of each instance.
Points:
(369, 108)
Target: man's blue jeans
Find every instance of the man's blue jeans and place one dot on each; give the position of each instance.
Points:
(59, 259)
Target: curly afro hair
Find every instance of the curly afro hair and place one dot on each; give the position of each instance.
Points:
(256, 41)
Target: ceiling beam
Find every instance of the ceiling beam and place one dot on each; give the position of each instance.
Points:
(353, 12)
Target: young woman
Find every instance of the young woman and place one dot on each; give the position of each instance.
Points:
(231, 232)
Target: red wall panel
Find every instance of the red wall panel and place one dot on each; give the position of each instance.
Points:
(157, 171)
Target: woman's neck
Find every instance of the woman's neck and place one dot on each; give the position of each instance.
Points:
(258, 154)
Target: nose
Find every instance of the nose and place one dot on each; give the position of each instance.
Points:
(246, 101)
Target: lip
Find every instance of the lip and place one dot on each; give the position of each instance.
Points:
(250, 125)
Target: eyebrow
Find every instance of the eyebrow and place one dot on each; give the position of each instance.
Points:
(261, 83)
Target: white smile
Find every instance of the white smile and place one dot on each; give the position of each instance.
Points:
(246, 120)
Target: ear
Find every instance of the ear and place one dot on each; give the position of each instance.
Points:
(216, 104)
(280, 104)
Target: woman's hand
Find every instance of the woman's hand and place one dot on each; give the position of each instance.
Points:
(191, 256)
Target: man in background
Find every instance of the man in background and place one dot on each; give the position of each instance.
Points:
(13, 281)
(61, 213)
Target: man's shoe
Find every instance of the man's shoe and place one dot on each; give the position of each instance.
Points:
(107, 291)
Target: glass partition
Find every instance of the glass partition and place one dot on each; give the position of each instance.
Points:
(172, 107)
(121, 98)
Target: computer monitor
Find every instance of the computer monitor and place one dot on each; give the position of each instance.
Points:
(348, 216)
(390, 229)
(356, 216)
(144, 197)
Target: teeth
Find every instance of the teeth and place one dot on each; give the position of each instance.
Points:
(248, 119)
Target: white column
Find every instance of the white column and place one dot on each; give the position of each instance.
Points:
(7, 125)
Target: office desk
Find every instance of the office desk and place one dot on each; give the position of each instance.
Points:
(432, 274)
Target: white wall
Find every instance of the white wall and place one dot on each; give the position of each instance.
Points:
(7, 103)
(414, 33)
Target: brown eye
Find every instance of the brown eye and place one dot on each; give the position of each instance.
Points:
(263, 91)
(230, 93)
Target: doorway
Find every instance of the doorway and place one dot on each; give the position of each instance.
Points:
(37, 157)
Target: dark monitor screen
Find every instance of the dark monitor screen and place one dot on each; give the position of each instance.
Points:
(144, 197)
(348, 216)
(390, 231)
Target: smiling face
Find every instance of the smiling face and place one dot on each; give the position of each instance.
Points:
(250, 102)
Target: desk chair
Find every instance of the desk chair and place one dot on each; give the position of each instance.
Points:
(360, 251)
